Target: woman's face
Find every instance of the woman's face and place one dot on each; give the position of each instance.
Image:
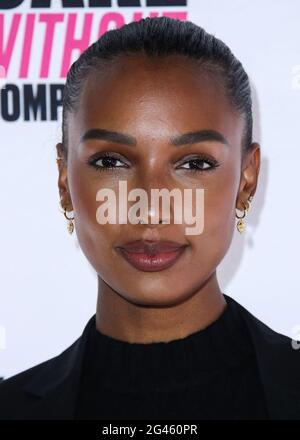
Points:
(154, 101)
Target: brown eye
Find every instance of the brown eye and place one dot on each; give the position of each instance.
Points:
(107, 161)
(199, 164)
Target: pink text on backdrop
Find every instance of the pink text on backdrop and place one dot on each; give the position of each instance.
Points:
(67, 27)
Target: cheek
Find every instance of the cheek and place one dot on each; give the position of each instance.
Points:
(219, 216)
(219, 209)
(94, 238)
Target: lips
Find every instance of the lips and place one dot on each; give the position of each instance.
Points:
(151, 247)
(152, 256)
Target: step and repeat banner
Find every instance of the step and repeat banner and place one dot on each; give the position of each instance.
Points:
(48, 289)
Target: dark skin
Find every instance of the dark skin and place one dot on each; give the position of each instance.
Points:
(154, 100)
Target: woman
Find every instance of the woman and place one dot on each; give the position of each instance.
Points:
(160, 104)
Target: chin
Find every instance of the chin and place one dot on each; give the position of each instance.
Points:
(155, 297)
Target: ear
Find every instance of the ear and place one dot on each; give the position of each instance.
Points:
(249, 175)
(63, 187)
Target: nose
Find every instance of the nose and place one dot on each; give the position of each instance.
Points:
(154, 218)
(155, 183)
(159, 208)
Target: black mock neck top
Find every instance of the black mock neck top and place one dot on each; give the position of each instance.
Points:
(209, 374)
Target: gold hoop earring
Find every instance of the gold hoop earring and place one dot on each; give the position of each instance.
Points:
(241, 224)
(70, 225)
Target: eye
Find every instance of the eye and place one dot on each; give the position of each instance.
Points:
(199, 164)
(107, 161)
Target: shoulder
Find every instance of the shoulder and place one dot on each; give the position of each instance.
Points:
(37, 391)
(267, 341)
(12, 391)
(278, 361)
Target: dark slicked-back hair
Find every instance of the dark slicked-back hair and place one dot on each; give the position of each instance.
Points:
(160, 37)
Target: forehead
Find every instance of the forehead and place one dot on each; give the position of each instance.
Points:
(145, 96)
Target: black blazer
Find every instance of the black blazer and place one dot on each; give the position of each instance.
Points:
(49, 390)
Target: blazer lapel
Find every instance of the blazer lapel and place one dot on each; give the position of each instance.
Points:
(279, 366)
(56, 386)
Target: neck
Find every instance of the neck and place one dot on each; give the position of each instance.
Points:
(127, 321)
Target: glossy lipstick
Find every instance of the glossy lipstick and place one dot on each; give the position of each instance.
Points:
(151, 256)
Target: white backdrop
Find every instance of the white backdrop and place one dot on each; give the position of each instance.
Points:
(48, 289)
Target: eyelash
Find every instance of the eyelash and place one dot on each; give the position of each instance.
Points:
(202, 158)
(104, 155)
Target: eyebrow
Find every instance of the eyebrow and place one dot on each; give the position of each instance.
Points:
(182, 139)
